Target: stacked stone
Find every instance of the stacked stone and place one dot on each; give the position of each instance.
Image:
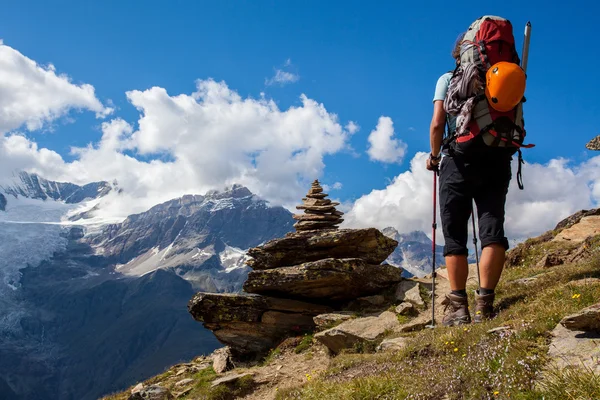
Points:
(593, 144)
(319, 212)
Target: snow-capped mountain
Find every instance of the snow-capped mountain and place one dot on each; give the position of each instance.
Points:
(32, 186)
(414, 252)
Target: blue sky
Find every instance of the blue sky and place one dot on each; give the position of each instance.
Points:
(362, 60)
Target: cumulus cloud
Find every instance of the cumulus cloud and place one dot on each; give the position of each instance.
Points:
(196, 142)
(32, 95)
(382, 144)
(553, 191)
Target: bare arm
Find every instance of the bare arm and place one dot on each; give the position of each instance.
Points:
(436, 129)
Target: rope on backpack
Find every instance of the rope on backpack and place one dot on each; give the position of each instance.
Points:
(519, 172)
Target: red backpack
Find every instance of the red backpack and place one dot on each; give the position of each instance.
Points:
(488, 40)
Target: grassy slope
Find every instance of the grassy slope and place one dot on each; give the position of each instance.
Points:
(467, 362)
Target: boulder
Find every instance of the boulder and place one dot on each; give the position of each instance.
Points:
(153, 392)
(409, 291)
(251, 324)
(587, 320)
(299, 247)
(349, 333)
(222, 360)
(391, 345)
(406, 308)
(329, 279)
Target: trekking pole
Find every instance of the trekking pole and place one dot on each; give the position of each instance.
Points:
(475, 243)
(433, 273)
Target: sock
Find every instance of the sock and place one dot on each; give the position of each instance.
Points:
(462, 292)
(484, 291)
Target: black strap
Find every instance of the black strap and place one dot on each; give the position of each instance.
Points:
(519, 173)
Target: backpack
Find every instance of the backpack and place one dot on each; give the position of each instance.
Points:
(489, 40)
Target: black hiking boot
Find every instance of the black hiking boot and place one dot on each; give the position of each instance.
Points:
(456, 310)
(484, 307)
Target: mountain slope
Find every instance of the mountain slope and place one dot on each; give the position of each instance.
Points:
(201, 238)
(413, 253)
(33, 186)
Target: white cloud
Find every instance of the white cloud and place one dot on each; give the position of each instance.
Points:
(282, 77)
(382, 146)
(337, 186)
(33, 96)
(552, 192)
(209, 138)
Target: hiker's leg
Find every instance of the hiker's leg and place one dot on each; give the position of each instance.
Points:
(491, 264)
(455, 207)
(491, 201)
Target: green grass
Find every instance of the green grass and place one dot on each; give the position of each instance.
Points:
(304, 344)
(467, 362)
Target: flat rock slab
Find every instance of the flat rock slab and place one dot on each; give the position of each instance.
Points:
(328, 279)
(230, 379)
(417, 324)
(585, 228)
(324, 320)
(587, 320)
(349, 333)
(391, 345)
(299, 247)
(575, 348)
(251, 324)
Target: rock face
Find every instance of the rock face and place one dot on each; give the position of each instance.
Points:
(329, 279)
(370, 245)
(586, 227)
(298, 277)
(253, 324)
(319, 212)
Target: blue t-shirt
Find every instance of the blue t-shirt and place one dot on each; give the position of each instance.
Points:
(440, 94)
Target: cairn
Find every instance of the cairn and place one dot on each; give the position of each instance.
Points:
(319, 212)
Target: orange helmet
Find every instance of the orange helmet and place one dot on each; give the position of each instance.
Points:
(505, 85)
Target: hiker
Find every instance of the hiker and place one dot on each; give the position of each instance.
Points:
(479, 173)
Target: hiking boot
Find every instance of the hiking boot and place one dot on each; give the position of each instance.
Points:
(484, 307)
(458, 313)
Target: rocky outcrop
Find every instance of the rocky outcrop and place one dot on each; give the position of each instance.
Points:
(329, 279)
(370, 245)
(356, 331)
(296, 278)
(250, 323)
(587, 320)
(154, 392)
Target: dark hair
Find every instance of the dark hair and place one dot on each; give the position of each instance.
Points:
(456, 49)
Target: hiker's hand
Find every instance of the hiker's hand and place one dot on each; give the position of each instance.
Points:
(433, 163)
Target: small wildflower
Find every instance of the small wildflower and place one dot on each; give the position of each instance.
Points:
(447, 343)
(478, 312)
(308, 377)
(464, 355)
(451, 342)
(455, 349)
(465, 329)
(496, 393)
(576, 296)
